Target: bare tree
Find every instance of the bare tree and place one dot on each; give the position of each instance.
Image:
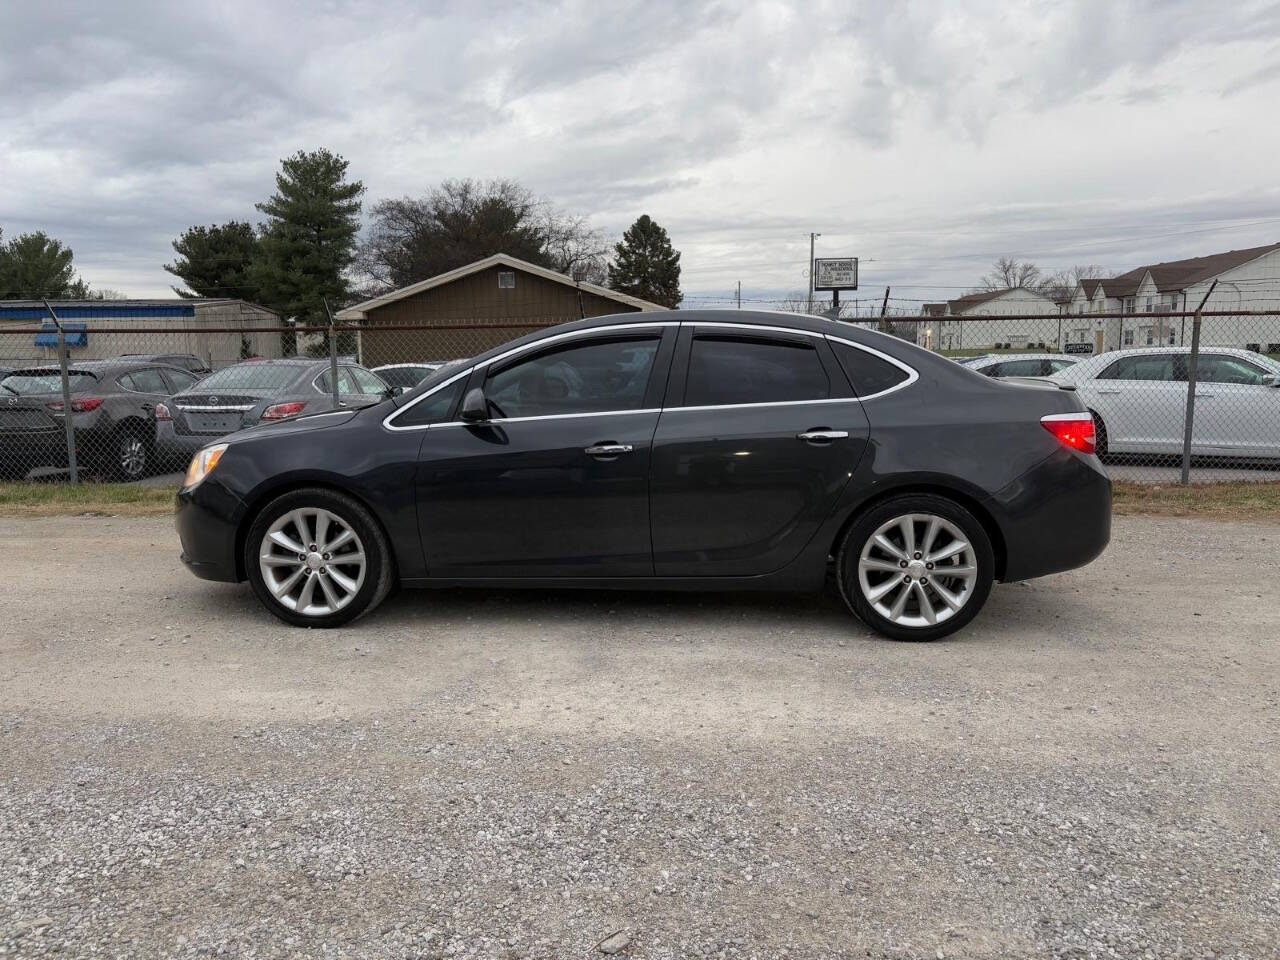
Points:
(462, 221)
(1062, 284)
(1009, 272)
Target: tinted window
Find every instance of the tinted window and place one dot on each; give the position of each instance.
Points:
(180, 380)
(144, 381)
(45, 381)
(253, 376)
(435, 409)
(1156, 366)
(1217, 368)
(725, 370)
(404, 376)
(1018, 368)
(581, 378)
(867, 372)
(367, 382)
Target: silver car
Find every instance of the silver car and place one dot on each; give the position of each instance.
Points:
(257, 391)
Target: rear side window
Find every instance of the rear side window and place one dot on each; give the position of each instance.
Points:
(867, 373)
(732, 370)
(1143, 367)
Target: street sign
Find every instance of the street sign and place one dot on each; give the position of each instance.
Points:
(835, 274)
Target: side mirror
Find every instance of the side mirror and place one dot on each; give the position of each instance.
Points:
(475, 408)
(1271, 379)
(390, 392)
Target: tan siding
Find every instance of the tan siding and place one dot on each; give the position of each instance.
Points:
(474, 301)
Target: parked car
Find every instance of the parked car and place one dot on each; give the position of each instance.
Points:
(255, 391)
(1020, 364)
(112, 404)
(1138, 400)
(187, 361)
(690, 452)
(407, 375)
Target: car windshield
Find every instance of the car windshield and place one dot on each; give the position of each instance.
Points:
(251, 376)
(24, 382)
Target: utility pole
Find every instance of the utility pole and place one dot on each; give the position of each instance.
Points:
(1193, 365)
(812, 236)
(739, 294)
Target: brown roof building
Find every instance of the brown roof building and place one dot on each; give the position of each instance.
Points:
(468, 310)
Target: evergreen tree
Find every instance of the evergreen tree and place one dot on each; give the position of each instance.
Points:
(34, 265)
(308, 241)
(216, 261)
(645, 264)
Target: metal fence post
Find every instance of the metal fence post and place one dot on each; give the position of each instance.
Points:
(67, 423)
(333, 354)
(1192, 369)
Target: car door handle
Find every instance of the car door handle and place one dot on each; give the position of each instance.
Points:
(1201, 396)
(821, 435)
(608, 449)
(1108, 393)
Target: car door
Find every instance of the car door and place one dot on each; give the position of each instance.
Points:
(556, 483)
(1142, 401)
(146, 387)
(759, 436)
(1235, 411)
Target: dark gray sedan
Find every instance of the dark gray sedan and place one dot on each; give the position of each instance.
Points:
(112, 413)
(259, 391)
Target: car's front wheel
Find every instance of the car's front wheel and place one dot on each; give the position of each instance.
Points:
(916, 567)
(317, 558)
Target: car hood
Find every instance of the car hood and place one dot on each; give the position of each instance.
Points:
(302, 424)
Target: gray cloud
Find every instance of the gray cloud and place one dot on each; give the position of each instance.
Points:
(924, 135)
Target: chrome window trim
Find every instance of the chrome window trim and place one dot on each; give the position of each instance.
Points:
(547, 416)
(912, 374)
(204, 408)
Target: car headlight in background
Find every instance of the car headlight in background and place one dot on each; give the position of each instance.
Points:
(203, 462)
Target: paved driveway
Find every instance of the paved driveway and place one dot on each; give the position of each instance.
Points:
(1091, 769)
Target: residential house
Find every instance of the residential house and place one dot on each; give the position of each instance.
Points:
(1024, 329)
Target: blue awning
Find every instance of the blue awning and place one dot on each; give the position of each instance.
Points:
(77, 334)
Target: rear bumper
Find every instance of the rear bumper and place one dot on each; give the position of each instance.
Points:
(1055, 517)
(207, 518)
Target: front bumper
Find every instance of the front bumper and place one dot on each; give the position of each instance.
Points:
(1055, 517)
(208, 517)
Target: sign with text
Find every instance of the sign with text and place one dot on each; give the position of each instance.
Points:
(835, 274)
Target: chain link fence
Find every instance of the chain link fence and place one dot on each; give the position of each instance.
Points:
(105, 401)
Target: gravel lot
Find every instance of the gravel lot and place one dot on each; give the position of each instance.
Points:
(1091, 769)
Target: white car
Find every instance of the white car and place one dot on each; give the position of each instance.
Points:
(1138, 399)
(1020, 364)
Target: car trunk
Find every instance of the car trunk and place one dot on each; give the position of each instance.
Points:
(215, 414)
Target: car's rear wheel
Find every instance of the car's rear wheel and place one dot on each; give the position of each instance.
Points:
(916, 567)
(317, 558)
(130, 455)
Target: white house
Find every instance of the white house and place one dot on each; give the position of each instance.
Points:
(1247, 280)
(1033, 321)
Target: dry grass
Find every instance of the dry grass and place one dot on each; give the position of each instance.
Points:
(93, 499)
(1214, 501)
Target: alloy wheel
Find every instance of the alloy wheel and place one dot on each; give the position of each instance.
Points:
(312, 561)
(917, 570)
(133, 455)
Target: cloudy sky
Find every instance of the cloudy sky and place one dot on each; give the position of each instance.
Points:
(926, 138)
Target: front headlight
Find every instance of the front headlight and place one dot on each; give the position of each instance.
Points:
(203, 462)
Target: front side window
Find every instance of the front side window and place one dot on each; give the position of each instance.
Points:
(181, 380)
(734, 370)
(1147, 367)
(1218, 368)
(366, 382)
(144, 381)
(592, 377)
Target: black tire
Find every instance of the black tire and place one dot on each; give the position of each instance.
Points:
(1099, 435)
(930, 505)
(128, 455)
(379, 575)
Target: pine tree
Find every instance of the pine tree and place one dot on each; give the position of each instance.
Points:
(308, 241)
(645, 264)
(216, 261)
(34, 265)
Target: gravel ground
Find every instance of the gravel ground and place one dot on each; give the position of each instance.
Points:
(1090, 770)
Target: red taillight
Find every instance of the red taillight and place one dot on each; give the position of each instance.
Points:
(282, 411)
(1074, 430)
(79, 406)
(162, 412)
